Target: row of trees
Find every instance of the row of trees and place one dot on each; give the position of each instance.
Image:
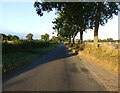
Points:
(59, 38)
(78, 17)
(9, 37)
(100, 40)
(28, 36)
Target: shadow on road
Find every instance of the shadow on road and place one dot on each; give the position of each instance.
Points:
(60, 52)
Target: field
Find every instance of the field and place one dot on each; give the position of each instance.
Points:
(18, 53)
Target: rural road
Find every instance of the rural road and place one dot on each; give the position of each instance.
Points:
(61, 70)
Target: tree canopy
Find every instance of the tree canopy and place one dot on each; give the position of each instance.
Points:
(77, 17)
(9, 37)
(45, 37)
(29, 36)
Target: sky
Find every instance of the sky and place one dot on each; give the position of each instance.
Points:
(20, 18)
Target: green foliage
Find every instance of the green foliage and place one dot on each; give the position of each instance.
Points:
(3, 37)
(9, 37)
(104, 40)
(89, 40)
(15, 37)
(45, 37)
(110, 39)
(18, 53)
(42, 36)
(77, 17)
(29, 36)
(22, 45)
(107, 40)
(12, 61)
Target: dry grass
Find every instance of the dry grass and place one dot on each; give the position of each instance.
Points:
(105, 56)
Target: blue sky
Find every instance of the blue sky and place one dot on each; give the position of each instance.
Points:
(20, 18)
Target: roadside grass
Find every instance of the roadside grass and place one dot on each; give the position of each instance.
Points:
(75, 46)
(14, 60)
(105, 56)
(42, 50)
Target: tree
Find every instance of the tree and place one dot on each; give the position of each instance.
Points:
(15, 37)
(3, 37)
(42, 37)
(80, 17)
(110, 39)
(29, 36)
(45, 37)
(9, 37)
(76, 18)
(91, 14)
(99, 15)
(65, 26)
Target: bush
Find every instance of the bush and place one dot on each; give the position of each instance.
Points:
(70, 45)
(22, 45)
(76, 46)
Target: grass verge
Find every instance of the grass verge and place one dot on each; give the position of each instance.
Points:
(12, 61)
(105, 56)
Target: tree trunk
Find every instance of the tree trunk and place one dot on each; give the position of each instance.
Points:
(81, 36)
(73, 40)
(96, 35)
(97, 20)
(69, 40)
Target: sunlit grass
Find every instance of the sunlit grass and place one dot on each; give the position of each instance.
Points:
(106, 56)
